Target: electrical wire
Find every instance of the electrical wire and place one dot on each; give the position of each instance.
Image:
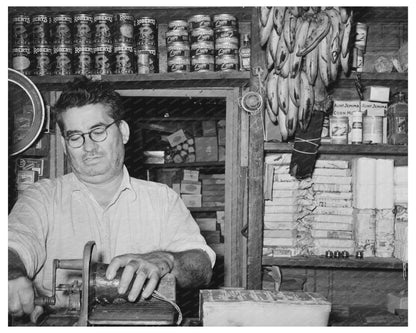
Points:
(159, 296)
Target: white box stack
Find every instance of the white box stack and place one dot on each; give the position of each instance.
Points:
(401, 213)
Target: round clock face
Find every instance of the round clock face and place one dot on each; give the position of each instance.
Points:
(26, 112)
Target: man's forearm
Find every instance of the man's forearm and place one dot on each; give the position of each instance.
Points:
(16, 266)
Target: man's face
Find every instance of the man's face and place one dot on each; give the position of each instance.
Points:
(95, 162)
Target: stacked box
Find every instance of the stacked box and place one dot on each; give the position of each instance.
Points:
(384, 246)
(400, 233)
(189, 188)
(213, 190)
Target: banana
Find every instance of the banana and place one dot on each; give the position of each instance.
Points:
(266, 29)
(271, 89)
(269, 55)
(333, 69)
(294, 89)
(289, 30)
(318, 29)
(307, 100)
(335, 36)
(323, 60)
(319, 90)
(311, 65)
(345, 63)
(278, 18)
(281, 118)
(344, 14)
(272, 116)
(291, 118)
(282, 54)
(285, 70)
(316, 10)
(301, 34)
(346, 36)
(273, 41)
(283, 93)
(295, 11)
(264, 15)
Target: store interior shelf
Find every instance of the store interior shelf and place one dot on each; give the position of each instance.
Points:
(322, 262)
(186, 165)
(338, 149)
(206, 209)
(373, 79)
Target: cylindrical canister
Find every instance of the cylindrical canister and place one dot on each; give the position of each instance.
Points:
(123, 28)
(146, 29)
(103, 59)
(179, 64)
(338, 129)
(178, 25)
(63, 58)
(21, 30)
(199, 21)
(41, 30)
(143, 63)
(226, 63)
(202, 63)
(153, 60)
(61, 29)
(178, 49)
(124, 57)
(42, 60)
(203, 34)
(83, 29)
(22, 58)
(178, 35)
(226, 48)
(226, 32)
(103, 25)
(356, 130)
(224, 20)
(202, 48)
(83, 59)
(372, 129)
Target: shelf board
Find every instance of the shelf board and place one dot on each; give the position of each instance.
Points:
(186, 165)
(322, 262)
(206, 209)
(154, 80)
(325, 148)
(387, 79)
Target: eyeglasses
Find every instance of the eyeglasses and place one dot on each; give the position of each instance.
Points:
(97, 134)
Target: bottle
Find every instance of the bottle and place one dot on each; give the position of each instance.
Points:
(244, 54)
(397, 118)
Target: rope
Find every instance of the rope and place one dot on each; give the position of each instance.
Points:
(310, 141)
(159, 296)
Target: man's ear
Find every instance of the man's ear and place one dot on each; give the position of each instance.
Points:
(63, 144)
(125, 131)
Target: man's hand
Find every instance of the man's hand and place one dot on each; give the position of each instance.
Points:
(149, 269)
(21, 296)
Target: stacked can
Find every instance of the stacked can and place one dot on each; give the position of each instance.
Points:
(83, 44)
(178, 50)
(41, 45)
(21, 57)
(202, 43)
(146, 45)
(226, 42)
(123, 43)
(103, 43)
(61, 34)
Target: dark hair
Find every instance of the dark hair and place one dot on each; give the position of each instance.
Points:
(83, 91)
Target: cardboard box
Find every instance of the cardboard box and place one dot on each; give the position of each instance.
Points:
(191, 175)
(190, 187)
(379, 94)
(176, 138)
(209, 128)
(221, 153)
(397, 300)
(345, 108)
(206, 148)
(207, 223)
(373, 109)
(192, 200)
(177, 187)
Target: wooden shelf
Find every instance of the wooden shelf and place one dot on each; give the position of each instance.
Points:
(322, 262)
(185, 165)
(363, 149)
(382, 79)
(206, 209)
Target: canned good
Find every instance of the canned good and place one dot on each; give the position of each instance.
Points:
(103, 59)
(202, 48)
(179, 64)
(372, 129)
(226, 63)
(178, 49)
(41, 30)
(356, 130)
(153, 60)
(361, 36)
(124, 59)
(143, 63)
(83, 27)
(202, 63)
(226, 48)
(338, 129)
(179, 35)
(21, 30)
(63, 55)
(42, 60)
(83, 59)
(123, 28)
(61, 29)
(178, 25)
(21, 59)
(225, 32)
(202, 34)
(199, 21)
(224, 20)
(103, 26)
(146, 29)
(232, 40)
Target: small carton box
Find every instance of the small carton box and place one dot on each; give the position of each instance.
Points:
(176, 138)
(209, 128)
(375, 109)
(379, 94)
(191, 175)
(206, 148)
(192, 200)
(190, 187)
(346, 108)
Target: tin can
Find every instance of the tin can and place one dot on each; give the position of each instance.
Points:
(143, 63)
(202, 63)
(178, 49)
(124, 58)
(103, 27)
(226, 32)
(42, 60)
(199, 21)
(178, 25)
(224, 20)
(179, 64)
(372, 129)
(361, 36)
(226, 63)
(226, 48)
(153, 60)
(338, 129)
(356, 130)
(178, 35)
(22, 58)
(21, 30)
(83, 59)
(61, 29)
(83, 27)
(202, 35)
(123, 28)
(62, 59)
(202, 48)
(146, 29)
(41, 30)
(232, 40)
(103, 59)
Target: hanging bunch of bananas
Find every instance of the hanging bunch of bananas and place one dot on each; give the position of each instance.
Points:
(305, 46)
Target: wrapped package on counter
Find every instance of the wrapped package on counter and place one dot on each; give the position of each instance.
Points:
(284, 177)
(365, 231)
(400, 194)
(331, 172)
(278, 159)
(331, 180)
(401, 241)
(331, 164)
(279, 225)
(332, 187)
(401, 175)
(384, 246)
(280, 251)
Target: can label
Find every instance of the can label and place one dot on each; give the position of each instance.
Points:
(61, 29)
(177, 36)
(202, 35)
(143, 63)
(226, 63)
(372, 129)
(178, 49)
(179, 65)
(222, 49)
(199, 21)
(21, 59)
(20, 30)
(229, 40)
(146, 21)
(123, 28)
(178, 25)
(338, 129)
(224, 20)
(103, 55)
(41, 29)
(63, 55)
(146, 32)
(226, 32)
(42, 55)
(83, 29)
(202, 48)
(83, 60)
(153, 60)
(103, 28)
(124, 59)
(202, 63)
(356, 130)
(146, 44)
